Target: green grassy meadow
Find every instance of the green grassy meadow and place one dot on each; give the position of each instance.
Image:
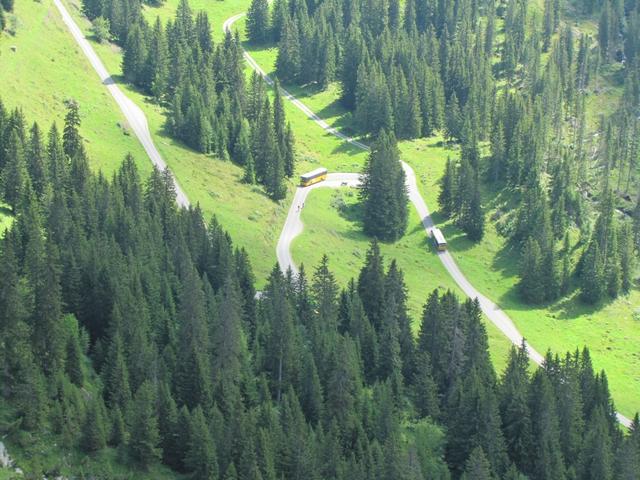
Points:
(46, 69)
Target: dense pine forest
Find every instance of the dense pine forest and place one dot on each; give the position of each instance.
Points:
(130, 326)
(509, 82)
(210, 108)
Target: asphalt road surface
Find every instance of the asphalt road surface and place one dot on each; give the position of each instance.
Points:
(135, 117)
(293, 225)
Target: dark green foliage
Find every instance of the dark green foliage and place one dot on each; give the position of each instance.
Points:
(14, 173)
(383, 193)
(3, 19)
(73, 360)
(179, 363)
(203, 86)
(532, 278)
(201, 454)
(459, 195)
(289, 62)
(143, 426)
(95, 428)
(477, 467)
(258, 21)
(601, 271)
(446, 197)
(71, 140)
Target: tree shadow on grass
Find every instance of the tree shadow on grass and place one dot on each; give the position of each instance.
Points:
(506, 260)
(346, 148)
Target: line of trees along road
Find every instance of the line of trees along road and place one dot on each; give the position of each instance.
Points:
(130, 324)
(210, 107)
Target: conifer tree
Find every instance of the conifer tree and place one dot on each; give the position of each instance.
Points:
(242, 153)
(289, 61)
(119, 434)
(371, 285)
(116, 374)
(258, 21)
(514, 407)
(36, 160)
(447, 190)
(477, 466)
(383, 191)
(157, 65)
(279, 119)
(395, 291)
(289, 156)
(201, 458)
(472, 216)
(424, 387)
(95, 429)
(71, 139)
(626, 256)
(279, 16)
(596, 461)
(532, 281)
(636, 224)
(14, 174)
(547, 460)
(145, 436)
(592, 279)
(73, 360)
(168, 427)
(565, 276)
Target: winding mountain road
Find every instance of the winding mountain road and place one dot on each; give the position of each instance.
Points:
(293, 225)
(134, 115)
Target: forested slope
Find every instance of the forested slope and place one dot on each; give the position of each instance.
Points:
(131, 337)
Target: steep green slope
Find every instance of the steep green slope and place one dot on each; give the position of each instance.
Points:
(42, 67)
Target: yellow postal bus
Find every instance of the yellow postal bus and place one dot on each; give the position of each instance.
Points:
(315, 176)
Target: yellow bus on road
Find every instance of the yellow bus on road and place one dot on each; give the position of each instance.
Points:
(438, 239)
(315, 176)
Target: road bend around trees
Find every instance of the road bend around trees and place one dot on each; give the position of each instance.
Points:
(293, 225)
(134, 115)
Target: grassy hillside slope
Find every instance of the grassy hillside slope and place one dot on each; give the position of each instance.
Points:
(41, 67)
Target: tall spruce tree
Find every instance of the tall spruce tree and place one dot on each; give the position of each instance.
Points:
(145, 436)
(383, 192)
(258, 21)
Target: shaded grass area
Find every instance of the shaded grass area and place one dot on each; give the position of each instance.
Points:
(332, 226)
(46, 69)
